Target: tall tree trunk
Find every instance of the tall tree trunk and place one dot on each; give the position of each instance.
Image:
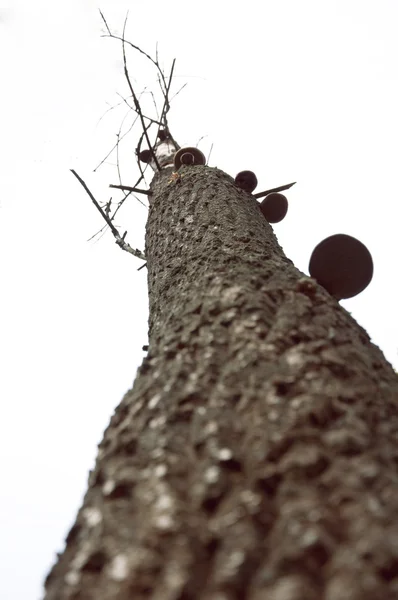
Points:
(256, 455)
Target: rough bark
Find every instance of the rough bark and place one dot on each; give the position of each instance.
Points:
(256, 455)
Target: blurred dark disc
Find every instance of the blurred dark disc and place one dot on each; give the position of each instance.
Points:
(274, 207)
(342, 265)
(246, 180)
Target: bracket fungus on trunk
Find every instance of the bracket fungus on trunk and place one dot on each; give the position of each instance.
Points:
(246, 180)
(274, 207)
(145, 156)
(342, 265)
(188, 156)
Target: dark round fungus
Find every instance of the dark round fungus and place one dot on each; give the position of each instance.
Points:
(187, 158)
(342, 265)
(145, 156)
(198, 158)
(246, 180)
(274, 207)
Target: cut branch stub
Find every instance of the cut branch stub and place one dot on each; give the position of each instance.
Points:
(342, 265)
(246, 180)
(274, 207)
(188, 156)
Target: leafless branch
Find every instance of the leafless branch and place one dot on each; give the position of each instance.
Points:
(155, 62)
(180, 90)
(135, 99)
(200, 139)
(277, 189)
(105, 23)
(208, 158)
(131, 189)
(156, 109)
(98, 232)
(157, 122)
(115, 145)
(146, 122)
(166, 106)
(120, 240)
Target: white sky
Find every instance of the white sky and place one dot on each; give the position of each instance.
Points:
(295, 91)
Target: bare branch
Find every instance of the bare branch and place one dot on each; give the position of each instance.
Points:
(156, 109)
(120, 241)
(106, 24)
(208, 158)
(133, 108)
(166, 107)
(115, 145)
(200, 139)
(98, 232)
(180, 90)
(119, 206)
(166, 104)
(155, 62)
(131, 189)
(109, 110)
(277, 189)
(136, 102)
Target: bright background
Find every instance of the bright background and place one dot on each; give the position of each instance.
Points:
(295, 91)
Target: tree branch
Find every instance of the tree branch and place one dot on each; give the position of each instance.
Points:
(131, 189)
(277, 189)
(120, 241)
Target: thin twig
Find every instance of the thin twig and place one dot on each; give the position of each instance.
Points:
(136, 103)
(200, 139)
(104, 20)
(115, 145)
(98, 232)
(156, 108)
(208, 158)
(119, 239)
(108, 110)
(138, 150)
(166, 103)
(132, 107)
(127, 195)
(180, 90)
(116, 37)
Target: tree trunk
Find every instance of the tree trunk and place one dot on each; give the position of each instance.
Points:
(256, 455)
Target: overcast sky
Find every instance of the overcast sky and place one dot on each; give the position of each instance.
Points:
(295, 91)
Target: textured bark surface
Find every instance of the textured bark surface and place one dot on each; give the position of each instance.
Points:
(256, 455)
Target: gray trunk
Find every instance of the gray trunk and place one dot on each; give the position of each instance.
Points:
(256, 455)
